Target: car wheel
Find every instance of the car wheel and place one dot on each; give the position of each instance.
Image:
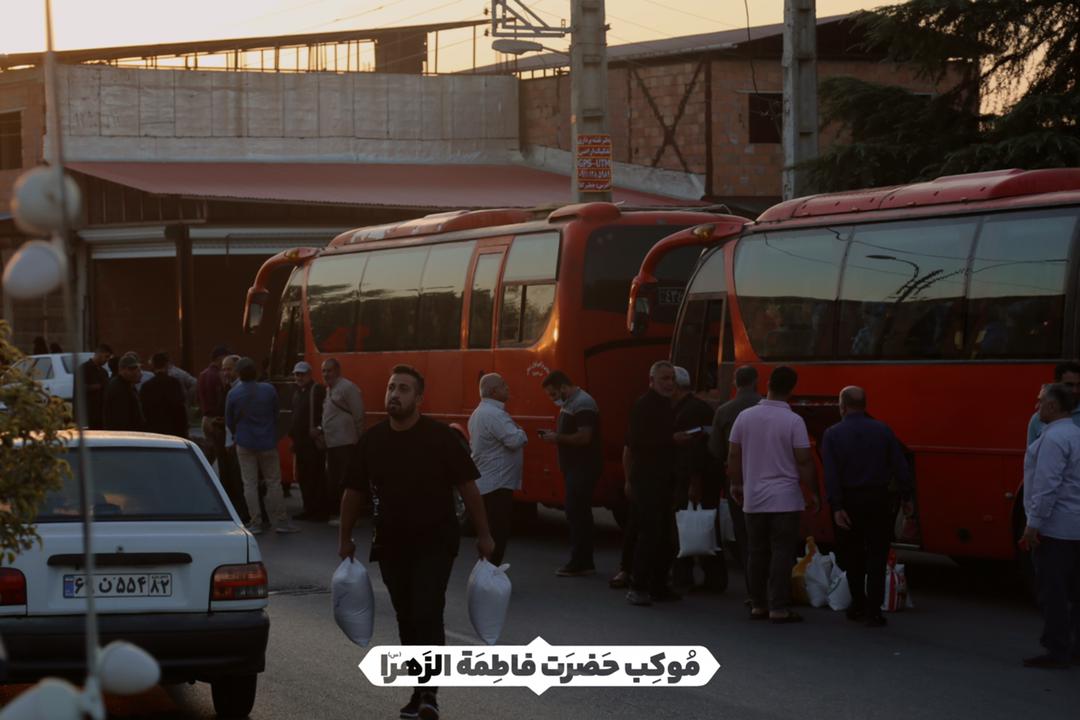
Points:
(234, 696)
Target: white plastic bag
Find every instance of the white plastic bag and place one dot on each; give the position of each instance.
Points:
(819, 579)
(353, 601)
(697, 531)
(488, 598)
(727, 525)
(839, 592)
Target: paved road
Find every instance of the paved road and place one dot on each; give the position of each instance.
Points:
(956, 655)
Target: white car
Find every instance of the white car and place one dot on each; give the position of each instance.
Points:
(176, 573)
(53, 372)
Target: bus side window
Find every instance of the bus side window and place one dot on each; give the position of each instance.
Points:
(1016, 297)
(288, 341)
(482, 303)
(528, 288)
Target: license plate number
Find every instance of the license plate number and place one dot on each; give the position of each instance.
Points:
(120, 585)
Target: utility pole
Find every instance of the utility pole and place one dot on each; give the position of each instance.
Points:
(511, 21)
(591, 180)
(800, 130)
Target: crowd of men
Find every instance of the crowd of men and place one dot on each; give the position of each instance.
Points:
(753, 451)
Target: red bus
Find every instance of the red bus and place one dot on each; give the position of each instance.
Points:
(461, 294)
(950, 301)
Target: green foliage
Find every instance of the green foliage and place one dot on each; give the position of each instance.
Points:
(31, 445)
(1017, 59)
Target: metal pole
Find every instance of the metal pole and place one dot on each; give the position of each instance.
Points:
(95, 705)
(588, 102)
(800, 128)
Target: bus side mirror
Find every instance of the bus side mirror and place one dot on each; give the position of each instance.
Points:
(253, 309)
(639, 316)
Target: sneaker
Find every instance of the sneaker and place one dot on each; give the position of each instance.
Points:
(876, 620)
(334, 522)
(256, 528)
(429, 707)
(286, 529)
(572, 570)
(855, 614)
(636, 597)
(412, 709)
(620, 581)
(1045, 662)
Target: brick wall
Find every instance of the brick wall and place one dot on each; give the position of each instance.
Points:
(644, 98)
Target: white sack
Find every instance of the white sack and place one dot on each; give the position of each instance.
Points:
(727, 525)
(839, 592)
(488, 598)
(353, 601)
(697, 531)
(818, 575)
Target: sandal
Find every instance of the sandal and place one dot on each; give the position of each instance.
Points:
(790, 617)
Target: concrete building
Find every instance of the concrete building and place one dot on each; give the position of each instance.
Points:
(199, 160)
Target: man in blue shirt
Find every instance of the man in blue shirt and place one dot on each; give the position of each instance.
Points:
(251, 410)
(861, 457)
(1052, 506)
(1068, 374)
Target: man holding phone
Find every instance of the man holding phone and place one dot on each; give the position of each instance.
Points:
(577, 436)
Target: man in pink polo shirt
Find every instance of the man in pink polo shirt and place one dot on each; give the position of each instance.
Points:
(768, 457)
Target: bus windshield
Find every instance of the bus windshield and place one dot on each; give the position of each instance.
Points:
(614, 254)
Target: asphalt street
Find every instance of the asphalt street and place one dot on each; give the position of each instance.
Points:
(956, 655)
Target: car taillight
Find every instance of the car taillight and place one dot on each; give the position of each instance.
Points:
(239, 582)
(12, 587)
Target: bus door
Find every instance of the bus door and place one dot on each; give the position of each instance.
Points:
(479, 327)
(287, 348)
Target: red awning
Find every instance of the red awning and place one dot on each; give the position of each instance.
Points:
(372, 185)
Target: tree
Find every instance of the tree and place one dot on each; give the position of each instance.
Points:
(32, 443)
(1016, 103)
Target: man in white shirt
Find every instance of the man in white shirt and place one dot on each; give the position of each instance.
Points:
(342, 424)
(497, 443)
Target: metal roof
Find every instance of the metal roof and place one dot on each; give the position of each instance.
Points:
(684, 45)
(223, 45)
(430, 187)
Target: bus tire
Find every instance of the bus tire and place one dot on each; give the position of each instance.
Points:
(524, 514)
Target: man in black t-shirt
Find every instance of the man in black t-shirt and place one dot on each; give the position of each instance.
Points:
(581, 459)
(412, 464)
(94, 378)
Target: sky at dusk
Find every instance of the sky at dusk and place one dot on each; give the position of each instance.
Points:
(103, 23)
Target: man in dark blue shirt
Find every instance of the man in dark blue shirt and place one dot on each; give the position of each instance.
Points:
(862, 457)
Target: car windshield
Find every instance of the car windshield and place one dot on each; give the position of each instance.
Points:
(139, 483)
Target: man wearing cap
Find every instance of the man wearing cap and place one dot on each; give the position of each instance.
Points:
(121, 409)
(211, 392)
(251, 411)
(307, 410)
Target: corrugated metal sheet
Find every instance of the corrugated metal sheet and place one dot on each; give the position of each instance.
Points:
(372, 185)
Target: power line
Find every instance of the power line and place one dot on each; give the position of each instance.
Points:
(690, 14)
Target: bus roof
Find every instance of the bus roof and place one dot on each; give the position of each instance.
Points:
(464, 220)
(960, 190)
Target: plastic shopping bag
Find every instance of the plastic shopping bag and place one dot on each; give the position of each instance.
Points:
(727, 525)
(839, 592)
(896, 591)
(798, 574)
(697, 531)
(819, 574)
(353, 601)
(488, 598)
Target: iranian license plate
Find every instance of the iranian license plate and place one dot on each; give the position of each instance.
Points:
(120, 585)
